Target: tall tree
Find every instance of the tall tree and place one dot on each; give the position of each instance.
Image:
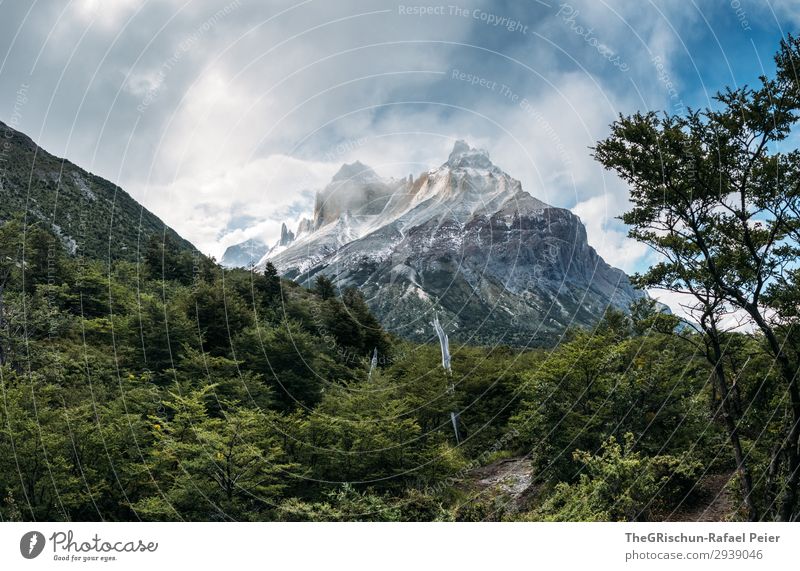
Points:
(323, 287)
(271, 282)
(716, 196)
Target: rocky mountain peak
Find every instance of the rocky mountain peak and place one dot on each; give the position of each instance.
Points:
(355, 188)
(304, 227)
(464, 241)
(465, 156)
(244, 254)
(355, 172)
(287, 236)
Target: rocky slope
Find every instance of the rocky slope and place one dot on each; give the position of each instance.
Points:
(464, 240)
(92, 216)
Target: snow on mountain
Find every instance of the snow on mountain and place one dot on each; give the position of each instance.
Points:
(251, 251)
(463, 239)
(244, 254)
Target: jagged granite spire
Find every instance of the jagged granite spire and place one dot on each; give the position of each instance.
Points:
(464, 156)
(304, 227)
(287, 236)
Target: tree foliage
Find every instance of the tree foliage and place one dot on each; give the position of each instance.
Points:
(716, 194)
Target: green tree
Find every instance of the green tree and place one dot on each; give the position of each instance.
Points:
(35, 465)
(163, 259)
(219, 313)
(10, 256)
(155, 334)
(717, 198)
(323, 287)
(214, 468)
(271, 285)
(567, 403)
(344, 503)
(373, 335)
(618, 484)
(290, 359)
(365, 433)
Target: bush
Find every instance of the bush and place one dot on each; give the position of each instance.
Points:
(619, 485)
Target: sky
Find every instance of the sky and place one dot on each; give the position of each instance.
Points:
(224, 117)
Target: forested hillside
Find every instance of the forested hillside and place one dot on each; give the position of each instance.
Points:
(231, 395)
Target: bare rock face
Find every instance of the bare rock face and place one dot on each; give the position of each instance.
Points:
(356, 189)
(464, 240)
(306, 226)
(287, 236)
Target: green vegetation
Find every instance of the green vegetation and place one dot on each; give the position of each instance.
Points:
(716, 196)
(176, 390)
(162, 387)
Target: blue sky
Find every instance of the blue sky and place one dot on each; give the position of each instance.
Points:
(224, 117)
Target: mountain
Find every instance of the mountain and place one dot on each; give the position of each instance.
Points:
(91, 215)
(464, 240)
(249, 252)
(245, 253)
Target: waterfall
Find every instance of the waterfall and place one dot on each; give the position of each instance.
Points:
(444, 344)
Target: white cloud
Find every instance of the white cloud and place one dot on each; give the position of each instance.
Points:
(269, 191)
(140, 84)
(683, 304)
(107, 15)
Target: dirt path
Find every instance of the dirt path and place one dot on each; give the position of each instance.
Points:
(713, 503)
(514, 477)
